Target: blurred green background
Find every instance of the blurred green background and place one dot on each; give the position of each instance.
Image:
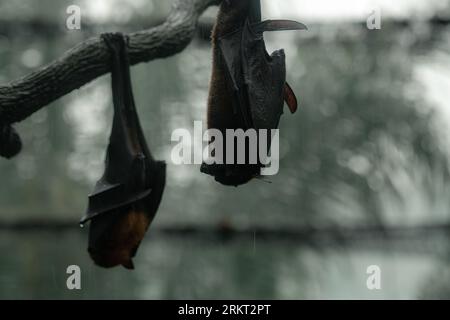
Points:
(364, 176)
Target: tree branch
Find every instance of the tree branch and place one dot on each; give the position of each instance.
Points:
(90, 60)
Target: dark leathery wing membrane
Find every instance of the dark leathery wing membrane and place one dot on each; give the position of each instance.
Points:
(265, 80)
(127, 158)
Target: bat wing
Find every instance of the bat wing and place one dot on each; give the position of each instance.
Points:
(128, 163)
(108, 196)
(265, 75)
(231, 49)
(255, 79)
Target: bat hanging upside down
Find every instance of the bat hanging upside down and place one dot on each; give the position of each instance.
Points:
(128, 195)
(248, 86)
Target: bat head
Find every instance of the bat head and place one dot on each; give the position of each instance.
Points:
(114, 237)
(232, 175)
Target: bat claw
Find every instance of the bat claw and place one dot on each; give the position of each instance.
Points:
(278, 25)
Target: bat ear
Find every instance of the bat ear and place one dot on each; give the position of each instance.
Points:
(290, 98)
(128, 265)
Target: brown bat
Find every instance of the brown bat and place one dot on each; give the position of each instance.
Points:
(248, 86)
(127, 197)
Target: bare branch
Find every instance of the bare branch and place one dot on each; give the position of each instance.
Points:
(90, 60)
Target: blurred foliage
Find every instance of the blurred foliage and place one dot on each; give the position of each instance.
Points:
(186, 268)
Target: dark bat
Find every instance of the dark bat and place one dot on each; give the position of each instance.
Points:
(248, 86)
(10, 142)
(126, 198)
